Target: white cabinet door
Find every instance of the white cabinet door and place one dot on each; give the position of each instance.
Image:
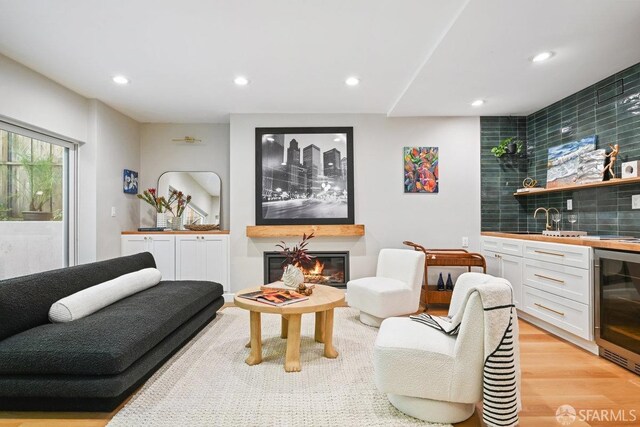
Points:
(161, 247)
(133, 244)
(216, 259)
(190, 262)
(163, 250)
(203, 257)
(512, 271)
(508, 267)
(493, 263)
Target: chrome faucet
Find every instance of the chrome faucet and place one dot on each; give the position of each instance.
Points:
(546, 212)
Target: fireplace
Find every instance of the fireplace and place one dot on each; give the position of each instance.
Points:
(327, 268)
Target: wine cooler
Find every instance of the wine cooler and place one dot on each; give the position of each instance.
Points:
(617, 301)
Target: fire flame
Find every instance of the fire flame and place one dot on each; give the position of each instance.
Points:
(316, 269)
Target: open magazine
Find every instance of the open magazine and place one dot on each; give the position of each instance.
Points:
(277, 298)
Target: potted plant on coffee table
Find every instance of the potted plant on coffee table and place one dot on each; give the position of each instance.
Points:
(295, 259)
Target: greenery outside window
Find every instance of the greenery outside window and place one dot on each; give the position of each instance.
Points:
(31, 173)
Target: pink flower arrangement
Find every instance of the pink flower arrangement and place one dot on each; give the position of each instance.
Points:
(177, 201)
(175, 205)
(149, 195)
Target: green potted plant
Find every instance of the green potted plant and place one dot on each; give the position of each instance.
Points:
(511, 145)
(41, 180)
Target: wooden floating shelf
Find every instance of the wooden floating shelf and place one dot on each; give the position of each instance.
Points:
(576, 187)
(341, 230)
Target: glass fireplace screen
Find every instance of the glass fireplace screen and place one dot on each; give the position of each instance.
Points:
(327, 268)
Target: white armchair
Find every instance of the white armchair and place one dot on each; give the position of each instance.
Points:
(431, 375)
(393, 292)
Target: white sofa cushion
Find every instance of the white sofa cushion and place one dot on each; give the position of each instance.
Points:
(381, 296)
(90, 300)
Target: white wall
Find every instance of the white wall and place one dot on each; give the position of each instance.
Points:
(389, 215)
(118, 148)
(109, 143)
(32, 98)
(159, 154)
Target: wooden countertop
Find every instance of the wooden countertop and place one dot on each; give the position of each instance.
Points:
(177, 232)
(601, 244)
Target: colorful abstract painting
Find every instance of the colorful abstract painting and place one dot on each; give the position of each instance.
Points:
(563, 162)
(421, 169)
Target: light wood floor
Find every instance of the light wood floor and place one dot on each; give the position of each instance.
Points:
(554, 373)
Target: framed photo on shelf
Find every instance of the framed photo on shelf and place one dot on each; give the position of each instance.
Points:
(304, 175)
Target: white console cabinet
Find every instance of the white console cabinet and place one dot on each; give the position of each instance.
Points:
(184, 256)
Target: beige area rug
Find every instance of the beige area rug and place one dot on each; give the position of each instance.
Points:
(207, 382)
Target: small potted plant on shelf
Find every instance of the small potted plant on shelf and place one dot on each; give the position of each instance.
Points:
(295, 259)
(158, 203)
(512, 145)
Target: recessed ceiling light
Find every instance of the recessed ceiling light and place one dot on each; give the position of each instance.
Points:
(352, 81)
(241, 81)
(477, 103)
(542, 56)
(121, 80)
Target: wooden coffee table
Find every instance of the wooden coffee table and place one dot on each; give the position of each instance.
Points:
(322, 303)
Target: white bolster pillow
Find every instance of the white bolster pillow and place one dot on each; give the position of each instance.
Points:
(90, 300)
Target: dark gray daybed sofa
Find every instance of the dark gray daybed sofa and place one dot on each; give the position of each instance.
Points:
(93, 363)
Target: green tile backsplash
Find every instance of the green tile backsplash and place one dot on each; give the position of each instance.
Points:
(609, 109)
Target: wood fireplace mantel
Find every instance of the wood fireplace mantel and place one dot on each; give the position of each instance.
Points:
(340, 230)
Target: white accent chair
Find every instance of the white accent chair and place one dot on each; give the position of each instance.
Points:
(393, 292)
(428, 374)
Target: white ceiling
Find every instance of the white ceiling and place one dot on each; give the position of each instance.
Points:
(414, 57)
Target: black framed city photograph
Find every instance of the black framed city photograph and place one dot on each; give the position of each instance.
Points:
(304, 175)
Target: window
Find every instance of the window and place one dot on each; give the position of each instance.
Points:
(35, 226)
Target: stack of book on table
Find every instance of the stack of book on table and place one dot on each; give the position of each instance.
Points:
(275, 297)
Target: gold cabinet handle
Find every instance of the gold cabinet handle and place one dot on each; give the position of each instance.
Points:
(547, 253)
(550, 309)
(549, 278)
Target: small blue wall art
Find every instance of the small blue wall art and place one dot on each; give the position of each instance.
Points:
(130, 182)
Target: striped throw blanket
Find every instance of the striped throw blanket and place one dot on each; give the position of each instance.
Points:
(501, 372)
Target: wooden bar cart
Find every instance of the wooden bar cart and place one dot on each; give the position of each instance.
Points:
(444, 258)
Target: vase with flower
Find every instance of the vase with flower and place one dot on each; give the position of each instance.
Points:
(150, 196)
(175, 205)
(295, 259)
